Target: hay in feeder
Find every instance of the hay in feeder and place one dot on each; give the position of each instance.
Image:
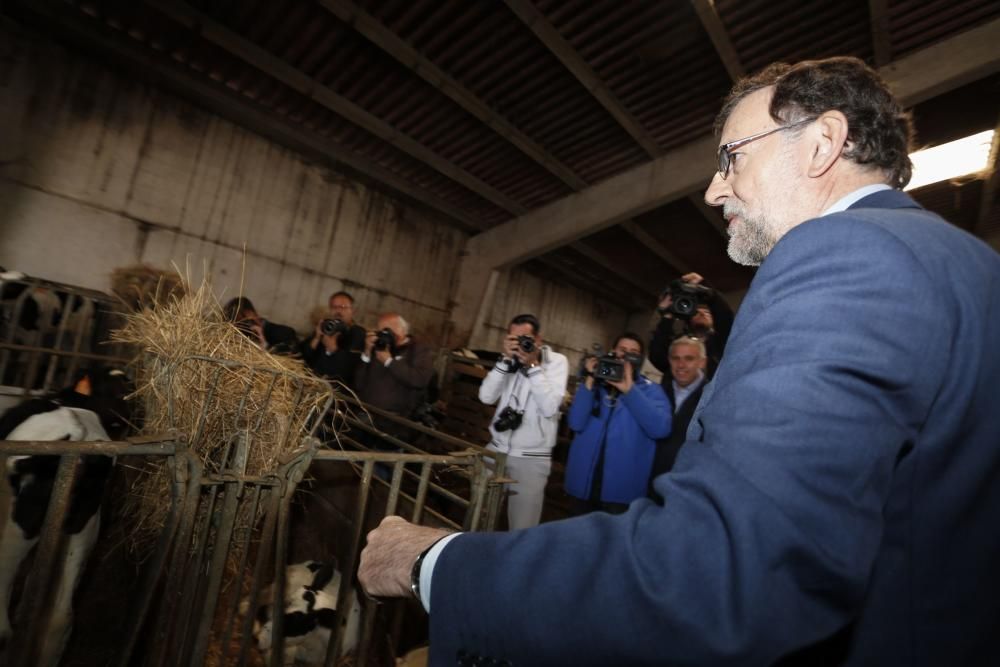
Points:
(143, 286)
(199, 376)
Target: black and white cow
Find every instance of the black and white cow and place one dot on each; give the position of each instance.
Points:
(93, 409)
(311, 617)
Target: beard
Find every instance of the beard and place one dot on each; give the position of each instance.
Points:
(751, 239)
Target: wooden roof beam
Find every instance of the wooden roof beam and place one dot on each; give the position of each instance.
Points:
(656, 247)
(295, 79)
(375, 32)
(572, 61)
(688, 169)
(878, 12)
(710, 20)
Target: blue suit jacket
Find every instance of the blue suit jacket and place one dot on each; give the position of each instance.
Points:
(837, 500)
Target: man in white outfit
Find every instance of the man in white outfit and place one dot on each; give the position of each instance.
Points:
(527, 385)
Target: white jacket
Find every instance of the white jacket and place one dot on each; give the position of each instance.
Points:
(538, 392)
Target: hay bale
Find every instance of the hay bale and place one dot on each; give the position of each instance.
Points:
(143, 286)
(198, 374)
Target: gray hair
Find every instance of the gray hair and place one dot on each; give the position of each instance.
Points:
(694, 342)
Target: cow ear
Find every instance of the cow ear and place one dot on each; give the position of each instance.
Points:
(83, 386)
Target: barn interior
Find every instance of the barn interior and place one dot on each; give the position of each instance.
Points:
(454, 162)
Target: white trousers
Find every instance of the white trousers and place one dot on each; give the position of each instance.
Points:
(525, 499)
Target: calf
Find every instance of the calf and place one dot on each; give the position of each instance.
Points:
(310, 615)
(90, 410)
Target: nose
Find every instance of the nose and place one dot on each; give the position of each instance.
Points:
(717, 192)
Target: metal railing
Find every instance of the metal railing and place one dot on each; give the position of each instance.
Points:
(226, 533)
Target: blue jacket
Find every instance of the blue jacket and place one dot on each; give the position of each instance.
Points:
(837, 500)
(629, 432)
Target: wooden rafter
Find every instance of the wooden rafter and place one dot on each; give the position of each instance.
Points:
(288, 75)
(572, 61)
(406, 55)
(656, 247)
(878, 11)
(710, 20)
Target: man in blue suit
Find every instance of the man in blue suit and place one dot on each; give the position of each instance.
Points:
(838, 497)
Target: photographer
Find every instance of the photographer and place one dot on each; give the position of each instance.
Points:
(394, 369)
(703, 314)
(334, 350)
(617, 415)
(275, 338)
(527, 385)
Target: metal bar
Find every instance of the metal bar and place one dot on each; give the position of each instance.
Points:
(36, 602)
(74, 360)
(280, 568)
(220, 551)
(477, 489)
(172, 592)
(154, 568)
(194, 588)
(106, 448)
(209, 400)
(364, 493)
(260, 567)
(50, 369)
(416, 426)
(245, 547)
(16, 347)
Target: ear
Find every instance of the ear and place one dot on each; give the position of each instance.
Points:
(829, 136)
(83, 386)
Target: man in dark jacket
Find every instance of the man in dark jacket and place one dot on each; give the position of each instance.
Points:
(273, 337)
(336, 355)
(395, 370)
(711, 322)
(683, 387)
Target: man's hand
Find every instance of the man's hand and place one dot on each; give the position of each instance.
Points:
(389, 555)
(529, 358)
(627, 382)
(369, 343)
(510, 347)
(382, 356)
(693, 278)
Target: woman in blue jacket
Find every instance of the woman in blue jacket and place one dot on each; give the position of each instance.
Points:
(617, 424)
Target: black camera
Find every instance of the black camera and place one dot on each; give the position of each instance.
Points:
(612, 369)
(332, 327)
(685, 298)
(508, 420)
(609, 367)
(526, 343)
(385, 339)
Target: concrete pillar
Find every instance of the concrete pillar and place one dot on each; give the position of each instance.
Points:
(471, 300)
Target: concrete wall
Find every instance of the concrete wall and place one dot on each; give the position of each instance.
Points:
(99, 171)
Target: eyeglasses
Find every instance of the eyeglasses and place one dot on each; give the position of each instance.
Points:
(725, 153)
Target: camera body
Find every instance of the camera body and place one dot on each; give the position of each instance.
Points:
(609, 368)
(509, 419)
(526, 343)
(385, 339)
(685, 298)
(333, 326)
